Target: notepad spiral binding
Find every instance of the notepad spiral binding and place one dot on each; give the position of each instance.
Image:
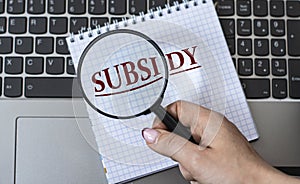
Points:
(142, 17)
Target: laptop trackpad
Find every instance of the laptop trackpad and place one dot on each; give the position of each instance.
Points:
(52, 150)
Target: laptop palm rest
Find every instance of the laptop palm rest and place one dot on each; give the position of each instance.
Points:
(52, 150)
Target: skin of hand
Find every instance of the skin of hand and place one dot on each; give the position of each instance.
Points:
(228, 159)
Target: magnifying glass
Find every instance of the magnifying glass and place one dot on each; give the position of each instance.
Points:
(124, 74)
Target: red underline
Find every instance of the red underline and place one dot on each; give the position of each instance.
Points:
(185, 70)
(132, 89)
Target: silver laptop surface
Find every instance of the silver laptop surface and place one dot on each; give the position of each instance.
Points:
(41, 138)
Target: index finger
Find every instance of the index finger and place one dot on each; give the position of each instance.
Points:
(204, 124)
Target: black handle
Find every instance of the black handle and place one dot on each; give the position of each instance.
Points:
(172, 124)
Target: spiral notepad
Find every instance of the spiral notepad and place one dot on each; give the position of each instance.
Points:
(124, 153)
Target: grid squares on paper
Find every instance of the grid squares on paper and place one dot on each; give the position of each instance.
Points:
(202, 21)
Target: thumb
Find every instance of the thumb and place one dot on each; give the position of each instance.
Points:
(170, 145)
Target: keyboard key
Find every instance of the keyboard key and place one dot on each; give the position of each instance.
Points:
(279, 67)
(55, 65)
(5, 45)
(231, 45)
(261, 27)
(278, 47)
(261, 47)
(234, 62)
(260, 8)
(228, 27)
(56, 6)
(23, 45)
(171, 2)
(70, 66)
(279, 88)
(15, 6)
(244, 47)
(78, 24)
(98, 21)
(244, 27)
(117, 7)
(76, 6)
(1, 63)
(44, 45)
(243, 7)
(37, 25)
(97, 7)
(59, 87)
(34, 65)
(294, 78)
(13, 86)
(36, 6)
(137, 6)
(277, 27)
(262, 67)
(256, 88)
(293, 8)
(277, 8)
(1, 6)
(156, 3)
(112, 19)
(293, 31)
(245, 67)
(2, 25)
(61, 45)
(13, 65)
(225, 7)
(58, 25)
(0, 86)
(17, 25)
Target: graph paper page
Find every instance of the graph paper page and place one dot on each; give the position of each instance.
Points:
(124, 152)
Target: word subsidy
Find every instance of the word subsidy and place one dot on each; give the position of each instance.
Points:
(146, 70)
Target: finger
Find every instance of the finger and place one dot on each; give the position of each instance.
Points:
(158, 124)
(204, 123)
(214, 124)
(185, 173)
(190, 115)
(185, 112)
(173, 146)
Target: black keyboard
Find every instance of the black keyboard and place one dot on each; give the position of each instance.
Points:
(263, 38)
(34, 58)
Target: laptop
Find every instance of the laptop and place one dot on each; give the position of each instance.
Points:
(45, 135)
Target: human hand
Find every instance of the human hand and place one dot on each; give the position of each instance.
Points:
(229, 158)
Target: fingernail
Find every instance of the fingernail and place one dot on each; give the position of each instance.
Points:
(150, 135)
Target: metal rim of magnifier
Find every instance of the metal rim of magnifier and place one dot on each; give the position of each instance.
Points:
(136, 33)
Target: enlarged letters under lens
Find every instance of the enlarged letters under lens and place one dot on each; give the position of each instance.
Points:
(144, 70)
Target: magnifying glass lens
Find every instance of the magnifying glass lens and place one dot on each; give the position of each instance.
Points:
(123, 75)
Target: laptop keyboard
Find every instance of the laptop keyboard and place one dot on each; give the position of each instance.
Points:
(263, 39)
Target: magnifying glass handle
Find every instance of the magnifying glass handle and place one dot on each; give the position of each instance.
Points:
(172, 124)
